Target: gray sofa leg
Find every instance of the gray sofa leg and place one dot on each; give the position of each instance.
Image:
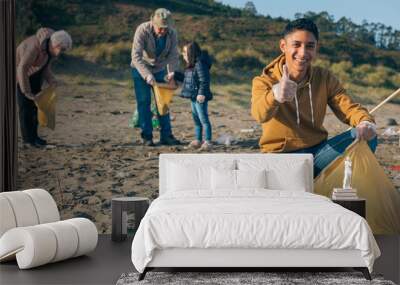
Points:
(364, 271)
(143, 274)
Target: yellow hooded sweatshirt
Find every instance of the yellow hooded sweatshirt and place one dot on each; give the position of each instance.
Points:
(295, 125)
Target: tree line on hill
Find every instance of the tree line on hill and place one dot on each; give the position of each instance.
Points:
(377, 34)
(102, 21)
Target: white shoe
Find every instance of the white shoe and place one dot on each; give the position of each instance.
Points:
(207, 145)
(194, 144)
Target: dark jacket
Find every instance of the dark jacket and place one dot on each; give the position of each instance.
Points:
(196, 80)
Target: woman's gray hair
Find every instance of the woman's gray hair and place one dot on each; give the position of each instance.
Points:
(61, 38)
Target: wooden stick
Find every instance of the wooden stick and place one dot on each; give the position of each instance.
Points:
(394, 94)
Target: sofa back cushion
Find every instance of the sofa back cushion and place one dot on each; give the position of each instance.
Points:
(26, 208)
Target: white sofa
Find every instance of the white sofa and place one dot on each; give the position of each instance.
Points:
(31, 230)
(177, 230)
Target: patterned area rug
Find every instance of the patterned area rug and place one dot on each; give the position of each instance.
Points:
(242, 278)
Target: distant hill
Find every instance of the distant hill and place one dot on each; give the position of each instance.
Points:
(209, 22)
(240, 43)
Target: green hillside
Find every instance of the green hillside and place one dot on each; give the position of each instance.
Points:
(240, 43)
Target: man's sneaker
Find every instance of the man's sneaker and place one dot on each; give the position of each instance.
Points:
(206, 146)
(171, 140)
(40, 142)
(194, 144)
(147, 142)
(29, 144)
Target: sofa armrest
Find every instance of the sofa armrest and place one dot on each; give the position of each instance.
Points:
(40, 244)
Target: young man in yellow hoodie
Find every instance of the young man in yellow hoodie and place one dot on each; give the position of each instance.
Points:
(290, 98)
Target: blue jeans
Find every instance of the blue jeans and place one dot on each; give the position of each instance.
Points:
(200, 118)
(326, 151)
(143, 100)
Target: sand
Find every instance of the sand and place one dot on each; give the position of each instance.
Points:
(93, 155)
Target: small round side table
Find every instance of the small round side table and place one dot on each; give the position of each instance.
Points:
(120, 208)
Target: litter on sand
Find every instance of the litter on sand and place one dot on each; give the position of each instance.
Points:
(390, 132)
(247, 131)
(226, 139)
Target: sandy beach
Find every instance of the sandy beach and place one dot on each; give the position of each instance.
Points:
(93, 155)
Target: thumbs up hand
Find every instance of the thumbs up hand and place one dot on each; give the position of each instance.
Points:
(286, 89)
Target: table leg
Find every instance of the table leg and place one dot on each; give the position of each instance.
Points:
(124, 223)
(116, 213)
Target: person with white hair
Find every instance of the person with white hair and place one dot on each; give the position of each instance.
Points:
(33, 57)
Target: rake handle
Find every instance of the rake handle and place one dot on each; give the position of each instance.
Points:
(394, 94)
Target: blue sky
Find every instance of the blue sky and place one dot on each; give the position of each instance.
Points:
(383, 11)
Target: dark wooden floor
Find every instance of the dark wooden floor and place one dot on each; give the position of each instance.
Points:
(103, 266)
(111, 259)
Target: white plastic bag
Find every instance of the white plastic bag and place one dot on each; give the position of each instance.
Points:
(390, 132)
(226, 139)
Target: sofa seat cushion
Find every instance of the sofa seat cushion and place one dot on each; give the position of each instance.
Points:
(33, 246)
